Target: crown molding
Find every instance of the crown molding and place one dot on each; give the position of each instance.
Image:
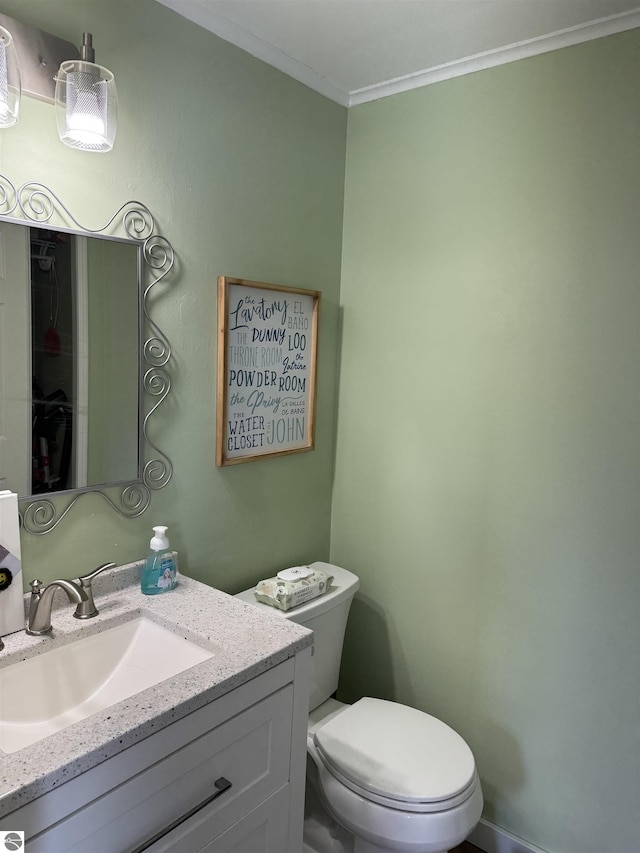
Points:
(246, 40)
(500, 56)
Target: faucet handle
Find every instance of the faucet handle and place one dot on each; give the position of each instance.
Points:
(85, 580)
(87, 609)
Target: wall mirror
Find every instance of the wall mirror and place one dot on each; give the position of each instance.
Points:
(83, 365)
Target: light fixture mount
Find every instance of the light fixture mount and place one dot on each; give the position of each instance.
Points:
(40, 54)
(87, 53)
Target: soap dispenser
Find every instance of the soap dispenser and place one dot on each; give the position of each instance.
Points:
(159, 571)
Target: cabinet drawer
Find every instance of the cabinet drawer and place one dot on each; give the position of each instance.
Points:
(251, 751)
(263, 830)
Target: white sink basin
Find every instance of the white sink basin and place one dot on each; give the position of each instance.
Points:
(48, 692)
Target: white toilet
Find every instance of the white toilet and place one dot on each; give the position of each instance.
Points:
(394, 777)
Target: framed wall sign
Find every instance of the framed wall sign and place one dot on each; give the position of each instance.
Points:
(267, 347)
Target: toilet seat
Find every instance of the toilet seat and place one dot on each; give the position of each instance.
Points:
(397, 756)
(403, 806)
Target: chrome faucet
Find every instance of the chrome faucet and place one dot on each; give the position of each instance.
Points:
(87, 609)
(39, 622)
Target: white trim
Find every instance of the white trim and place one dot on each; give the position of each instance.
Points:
(500, 56)
(206, 17)
(493, 839)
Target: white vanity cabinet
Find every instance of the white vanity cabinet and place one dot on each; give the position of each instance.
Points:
(226, 777)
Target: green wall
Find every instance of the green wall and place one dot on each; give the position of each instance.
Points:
(243, 169)
(486, 485)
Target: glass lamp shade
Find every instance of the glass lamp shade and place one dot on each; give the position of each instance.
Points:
(86, 106)
(10, 87)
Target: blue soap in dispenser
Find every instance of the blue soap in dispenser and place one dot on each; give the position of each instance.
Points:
(159, 571)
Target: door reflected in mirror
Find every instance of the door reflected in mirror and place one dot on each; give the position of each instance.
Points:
(70, 400)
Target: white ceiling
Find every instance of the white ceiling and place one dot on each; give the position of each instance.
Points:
(359, 50)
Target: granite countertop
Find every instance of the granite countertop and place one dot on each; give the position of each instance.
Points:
(252, 642)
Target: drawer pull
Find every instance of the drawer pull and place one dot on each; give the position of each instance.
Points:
(221, 785)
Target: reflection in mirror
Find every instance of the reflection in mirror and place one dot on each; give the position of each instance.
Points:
(88, 363)
(84, 361)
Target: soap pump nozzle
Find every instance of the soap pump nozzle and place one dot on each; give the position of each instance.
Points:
(159, 541)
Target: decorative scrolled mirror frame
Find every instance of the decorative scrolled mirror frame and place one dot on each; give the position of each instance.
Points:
(34, 203)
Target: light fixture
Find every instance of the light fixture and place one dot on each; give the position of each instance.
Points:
(84, 93)
(10, 88)
(86, 102)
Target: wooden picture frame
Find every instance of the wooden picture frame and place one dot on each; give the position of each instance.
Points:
(267, 354)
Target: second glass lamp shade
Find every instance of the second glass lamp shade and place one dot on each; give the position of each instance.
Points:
(86, 106)
(10, 88)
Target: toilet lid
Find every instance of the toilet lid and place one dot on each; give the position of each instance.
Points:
(396, 752)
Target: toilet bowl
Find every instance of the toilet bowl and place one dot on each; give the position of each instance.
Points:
(395, 778)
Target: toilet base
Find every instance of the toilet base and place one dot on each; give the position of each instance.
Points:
(361, 845)
(322, 833)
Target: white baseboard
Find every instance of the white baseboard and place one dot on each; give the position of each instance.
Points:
(493, 839)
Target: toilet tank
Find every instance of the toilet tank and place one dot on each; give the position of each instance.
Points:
(326, 616)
